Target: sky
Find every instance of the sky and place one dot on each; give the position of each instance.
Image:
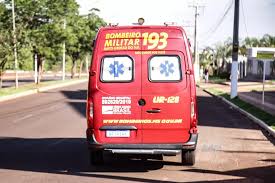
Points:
(257, 17)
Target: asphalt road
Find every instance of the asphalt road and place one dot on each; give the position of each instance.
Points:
(42, 139)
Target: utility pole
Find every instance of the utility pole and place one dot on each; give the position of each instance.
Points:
(234, 67)
(64, 55)
(195, 33)
(14, 46)
(35, 68)
(196, 60)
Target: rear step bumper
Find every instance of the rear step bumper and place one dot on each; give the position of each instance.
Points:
(169, 149)
(144, 151)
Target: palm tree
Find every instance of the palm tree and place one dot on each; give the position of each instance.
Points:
(206, 57)
(223, 51)
(267, 41)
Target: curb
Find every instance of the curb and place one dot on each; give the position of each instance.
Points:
(250, 116)
(38, 90)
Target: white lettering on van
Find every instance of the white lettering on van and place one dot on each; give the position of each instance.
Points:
(168, 100)
(127, 35)
(110, 109)
(116, 105)
(108, 43)
(116, 100)
(143, 121)
(158, 99)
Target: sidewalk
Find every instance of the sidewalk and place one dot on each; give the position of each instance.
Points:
(250, 92)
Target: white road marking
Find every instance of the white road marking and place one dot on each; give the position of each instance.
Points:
(24, 117)
(57, 142)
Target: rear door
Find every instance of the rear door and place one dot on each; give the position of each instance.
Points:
(164, 88)
(118, 89)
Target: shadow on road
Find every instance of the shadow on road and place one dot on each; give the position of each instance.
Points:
(75, 95)
(77, 100)
(255, 174)
(57, 155)
(213, 112)
(65, 156)
(267, 93)
(69, 156)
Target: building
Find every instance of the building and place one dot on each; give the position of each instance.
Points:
(255, 62)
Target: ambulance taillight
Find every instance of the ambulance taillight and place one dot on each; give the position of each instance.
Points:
(194, 120)
(90, 105)
(90, 112)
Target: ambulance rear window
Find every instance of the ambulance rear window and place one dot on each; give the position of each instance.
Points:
(116, 69)
(164, 69)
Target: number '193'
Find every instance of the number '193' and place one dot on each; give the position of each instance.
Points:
(155, 40)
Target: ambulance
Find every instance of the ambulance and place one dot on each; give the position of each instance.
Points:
(142, 93)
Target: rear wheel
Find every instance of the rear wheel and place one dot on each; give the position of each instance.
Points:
(96, 157)
(188, 157)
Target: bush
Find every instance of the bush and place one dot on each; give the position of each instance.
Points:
(224, 75)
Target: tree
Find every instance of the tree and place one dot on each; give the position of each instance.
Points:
(224, 51)
(5, 40)
(5, 48)
(81, 32)
(48, 37)
(267, 41)
(206, 57)
(40, 29)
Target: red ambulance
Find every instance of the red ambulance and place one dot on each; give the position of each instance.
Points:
(142, 93)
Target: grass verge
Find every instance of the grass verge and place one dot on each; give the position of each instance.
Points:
(255, 111)
(217, 80)
(28, 87)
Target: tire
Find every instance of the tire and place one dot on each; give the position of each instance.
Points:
(188, 157)
(96, 157)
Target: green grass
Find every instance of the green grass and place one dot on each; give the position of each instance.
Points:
(215, 91)
(28, 87)
(217, 80)
(255, 111)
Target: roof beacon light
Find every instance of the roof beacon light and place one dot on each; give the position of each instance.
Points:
(113, 24)
(141, 21)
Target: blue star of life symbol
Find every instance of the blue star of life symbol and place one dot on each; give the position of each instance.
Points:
(167, 68)
(116, 69)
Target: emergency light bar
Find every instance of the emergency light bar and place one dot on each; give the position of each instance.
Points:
(113, 24)
(170, 23)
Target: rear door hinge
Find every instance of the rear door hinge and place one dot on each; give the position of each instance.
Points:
(189, 72)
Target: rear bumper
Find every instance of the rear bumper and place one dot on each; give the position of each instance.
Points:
(169, 149)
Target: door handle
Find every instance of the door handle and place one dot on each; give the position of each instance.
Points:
(154, 110)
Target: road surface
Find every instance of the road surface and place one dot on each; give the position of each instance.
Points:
(42, 139)
(29, 80)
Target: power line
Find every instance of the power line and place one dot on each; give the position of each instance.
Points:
(245, 25)
(211, 32)
(228, 7)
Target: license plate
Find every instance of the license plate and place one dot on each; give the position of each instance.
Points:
(118, 133)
